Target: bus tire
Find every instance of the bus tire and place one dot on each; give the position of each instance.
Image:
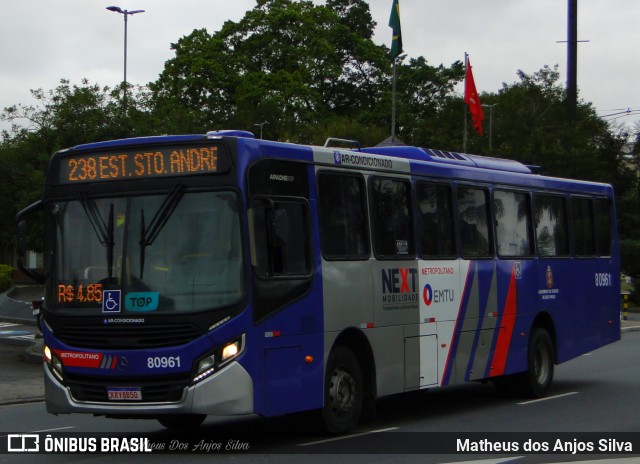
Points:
(536, 380)
(182, 421)
(343, 391)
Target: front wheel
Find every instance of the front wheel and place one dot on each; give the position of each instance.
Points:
(343, 391)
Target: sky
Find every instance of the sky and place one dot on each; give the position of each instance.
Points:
(43, 41)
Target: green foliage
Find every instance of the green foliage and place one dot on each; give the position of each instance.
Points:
(293, 64)
(305, 72)
(630, 255)
(60, 118)
(5, 277)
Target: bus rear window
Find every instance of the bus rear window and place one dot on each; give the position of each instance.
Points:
(583, 226)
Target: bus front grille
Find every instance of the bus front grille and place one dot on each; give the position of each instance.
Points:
(165, 389)
(127, 337)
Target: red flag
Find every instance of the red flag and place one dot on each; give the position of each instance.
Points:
(472, 99)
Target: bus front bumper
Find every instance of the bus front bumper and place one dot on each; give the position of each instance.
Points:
(227, 392)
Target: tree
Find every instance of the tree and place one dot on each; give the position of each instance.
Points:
(60, 118)
(425, 96)
(298, 66)
(293, 64)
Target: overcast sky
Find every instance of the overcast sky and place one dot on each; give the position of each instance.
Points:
(43, 41)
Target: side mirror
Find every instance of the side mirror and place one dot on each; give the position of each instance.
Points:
(22, 232)
(22, 241)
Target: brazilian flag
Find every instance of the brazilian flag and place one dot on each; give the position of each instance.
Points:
(394, 23)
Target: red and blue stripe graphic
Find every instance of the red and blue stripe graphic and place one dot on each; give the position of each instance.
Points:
(484, 327)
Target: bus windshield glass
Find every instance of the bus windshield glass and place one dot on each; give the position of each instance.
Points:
(166, 253)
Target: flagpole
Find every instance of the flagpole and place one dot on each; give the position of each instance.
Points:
(393, 102)
(464, 135)
(394, 53)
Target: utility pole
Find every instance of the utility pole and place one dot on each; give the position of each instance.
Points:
(572, 60)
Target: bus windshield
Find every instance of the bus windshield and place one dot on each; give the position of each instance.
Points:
(166, 253)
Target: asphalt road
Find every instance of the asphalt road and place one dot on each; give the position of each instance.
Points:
(596, 393)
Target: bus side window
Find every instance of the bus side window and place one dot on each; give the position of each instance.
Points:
(391, 218)
(280, 238)
(583, 227)
(603, 226)
(550, 219)
(511, 211)
(435, 219)
(280, 242)
(343, 216)
(474, 222)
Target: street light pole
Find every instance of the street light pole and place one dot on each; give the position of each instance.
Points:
(125, 13)
(260, 124)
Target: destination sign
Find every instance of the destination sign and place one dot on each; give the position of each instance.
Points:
(143, 163)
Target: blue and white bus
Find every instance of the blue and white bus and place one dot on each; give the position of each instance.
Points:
(219, 274)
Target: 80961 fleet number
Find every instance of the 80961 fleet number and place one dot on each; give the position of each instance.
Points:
(163, 362)
(603, 279)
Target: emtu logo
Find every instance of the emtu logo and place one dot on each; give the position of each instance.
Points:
(437, 296)
(427, 295)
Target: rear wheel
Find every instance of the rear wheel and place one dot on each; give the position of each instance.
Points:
(536, 381)
(343, 392)
(182, 421)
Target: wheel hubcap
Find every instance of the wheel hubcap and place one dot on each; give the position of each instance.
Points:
(342, 391)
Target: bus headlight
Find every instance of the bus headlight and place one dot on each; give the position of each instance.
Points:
(208, 364)
(206, 367)
(230, 351)
(54, 363)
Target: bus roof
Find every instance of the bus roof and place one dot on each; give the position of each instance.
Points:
(407, 153)
(449, 157)
(155, 139)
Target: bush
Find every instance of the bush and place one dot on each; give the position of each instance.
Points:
(5, 277)
(630, 255)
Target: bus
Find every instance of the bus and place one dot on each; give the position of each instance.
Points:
(221, 274)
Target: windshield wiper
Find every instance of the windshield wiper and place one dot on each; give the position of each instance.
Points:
(103, 231)
(149, 234)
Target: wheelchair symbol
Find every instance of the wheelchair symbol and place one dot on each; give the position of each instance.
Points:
(111, 301)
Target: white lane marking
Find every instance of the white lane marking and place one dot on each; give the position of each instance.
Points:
(7, 324)
(548, 398)
(328, 440)
(53, 430)
(42, 431)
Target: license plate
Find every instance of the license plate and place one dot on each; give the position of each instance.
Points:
(124, 394)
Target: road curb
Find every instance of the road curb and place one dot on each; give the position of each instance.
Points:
(33, 399)
(7, 298)
(34, 353)
(634, 328)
